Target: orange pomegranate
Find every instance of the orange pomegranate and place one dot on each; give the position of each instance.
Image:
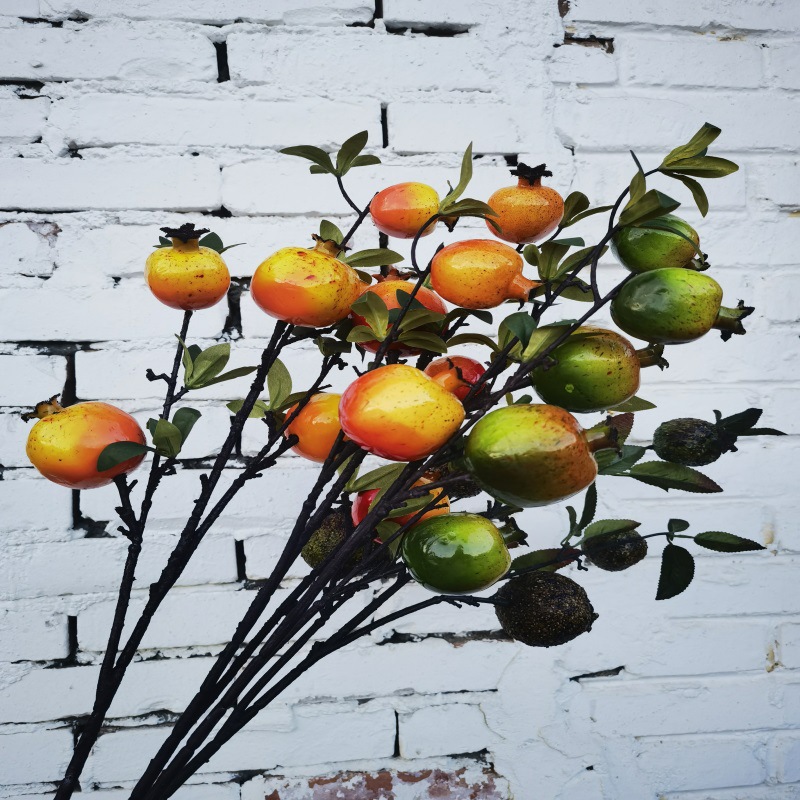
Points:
(364, 499)
(401, 210)
(316, 426)
(455, 373)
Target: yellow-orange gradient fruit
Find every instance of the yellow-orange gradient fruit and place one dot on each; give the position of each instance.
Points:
(316, 426)
(401, 210)
(457, 374)
(387, 291)
(306, 287)
(64, 446)
(479, 273)
(398, 412)
(187, 276)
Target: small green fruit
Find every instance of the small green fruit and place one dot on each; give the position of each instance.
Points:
(455, 553)
(691, 442)
(615, 551)
(544, 609)
(645, 249)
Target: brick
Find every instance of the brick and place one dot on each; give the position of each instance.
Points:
(30, 636)
(32, 503)
(413, 13)
(29, 378)
(767, 792)
(787, 752)
(189, 184)
(600, 120)
(35, 756)
(584, 65)
(775, 295)
(690, 61)
(194, 791)
(22, 120)
(403, 62)
(91, 120)
(781, 60)
(26, 252)
(440, 730)
(21, 8)
(789, 635)
(143, 52)
(776, 182)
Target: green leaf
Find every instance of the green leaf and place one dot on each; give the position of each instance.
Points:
(365, 277)
(405, 299)
(279, 384)
(677, 525)
(463, 181)
(458, 313)
(329, 346)
(635, 404)
(589, 506)
(208, 364)
(677, 571)
(418, 317)
(424, 341)
(703, 167)
(189, 355)
(167, 438)
(531, 254)
(666, 475)
(379, 478)
(698, 192)
(364, 161)
(213, 241)
(575, 203)
(519, 325)
(327, 230)
(551, 253)
(610, 462)
(653, 204)
(163, 242)
(638, 188)
(363, 333)
(311, 153)
(289, 401)
(604, 526)
(547, 560)
(118, 452)
(184, 420)
(590, 213)
(577, 290)
(386, 531)
(411, 506)
(472, 338)
(762, 432)
(469, 208)
(259, 410)
(378, 257)
(350, 150)
(742, 422)
(372, 308)
(696, 145)
(726, 542)
(230, 375)
(572, 261)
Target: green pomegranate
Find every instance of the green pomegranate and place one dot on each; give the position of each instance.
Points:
(674, 306)
(593, 370)
(531, 455)
(645, 249)
(455, 553)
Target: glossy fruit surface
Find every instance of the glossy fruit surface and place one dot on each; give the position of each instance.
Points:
(645, 249)
(398, 412)
(668, 306)
(691, 442)
(594, 370)
(316, 426)
(544, 609)
(64, 446)
(387, 291)
(187, 276)
(479, 273)
(308, 287)
(530, 455)
(401, 210)
(457, 374)
(617, 551)
(362, 502)
(456, 554)
(527, 212)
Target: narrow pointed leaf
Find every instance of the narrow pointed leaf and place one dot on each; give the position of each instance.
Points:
(239, 372)
(378, 257)
(548, 560)
(424, 341)
(118, 452)
(472, 338)
(697, 144)
(652, 204)
(311, 153)
(380, 477)
(589, 506)
(697, 190)
(463, 181)
(703, 167)
(208, 364)
(666, 475)
(635, 404)
(279, 383)
(349, 150)
(726, 542)
(259, 410)
(364, 161)
(605, 526)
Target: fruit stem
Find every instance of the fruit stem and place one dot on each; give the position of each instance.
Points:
(652, 356)
(521, 287)
(327, 246)
(729, 320)
(44, 409)
(531, 176)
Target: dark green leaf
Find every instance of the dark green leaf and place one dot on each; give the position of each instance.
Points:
(577, 290)
(463, 181)
(531, 254)
(288, 402)
(327, 230)
(163, 242)
(653, 204)
(472, 338)
(457, 313)
(575, 203)
(363, 333)
(703, 167)
(635, 404)
(379, 478)
(726, 542)
(118, 452)
(259, 410)
(364, 161)
(677, 525)
(666, 475)
(583, 215)
(519, 325)
(470, 208)
(372, 308)
(603, 526)
(551, 253)
(212, 241)
(279, 383)
(637, 188)
(589, 506)
(350, 150)
(230, 375)
(677, 571)
(612, 463)
(184, 420)
(572, 261)
(418, 317)
(697, 144)
(329, 346)
(424, 341)
(741, 422)
(523, 400)
(410, 506)
(698, 192)
(547, 560)
(231, 246)
(365, 277)
(762, 432)
(167, 438)
(311, 153)
(208, 364)
(378, 257)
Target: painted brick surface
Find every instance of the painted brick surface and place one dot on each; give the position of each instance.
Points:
(119, 118)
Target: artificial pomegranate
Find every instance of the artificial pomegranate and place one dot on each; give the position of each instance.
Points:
(544, 609)
(456, 553)
(186, 275)
(480, 273)
(304, 286)
(593, 370)
(65, 443)
(457, 374)
(527, 212)
(532, 455)
(401, 210)
(615, 551)
(674, 306)
(398, 412)
(387, 291)
(316, 426)
(363, 501)
(645, 249)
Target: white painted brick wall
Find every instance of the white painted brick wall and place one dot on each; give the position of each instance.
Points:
(113, 123)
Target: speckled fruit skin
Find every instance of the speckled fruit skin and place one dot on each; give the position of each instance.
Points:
(544, 609)
(187, 276)
(316, 426)
(688, 441)
(398, 412)
(527, 212)
(479, 273)
(65, 446)
(401, 210)
(667, 306)
(595, 370)
(362, 502)
(387, 291)
(455, 373)
(615, 552)
(305, 287)
(455, 554)
(642, 249)
(530, 455)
